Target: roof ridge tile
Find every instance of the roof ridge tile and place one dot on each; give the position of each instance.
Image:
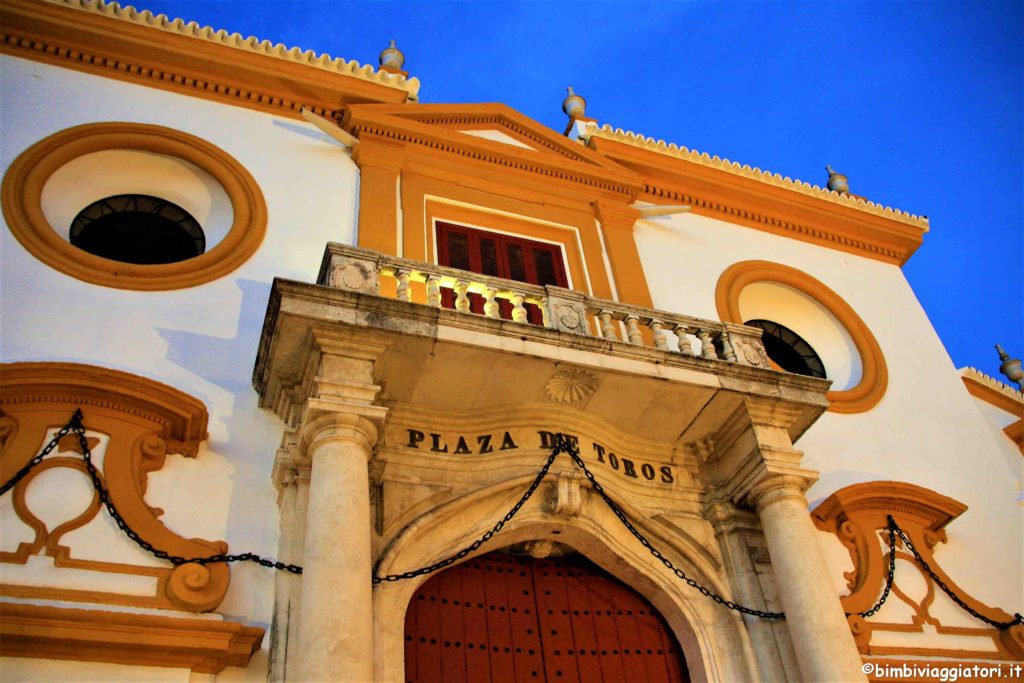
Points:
(192, 29)
(671, 149)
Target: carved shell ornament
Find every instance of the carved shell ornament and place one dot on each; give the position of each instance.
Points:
(569, 385)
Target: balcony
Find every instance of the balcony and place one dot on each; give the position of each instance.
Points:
(651, 374)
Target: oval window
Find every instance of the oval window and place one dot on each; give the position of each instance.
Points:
(136, 228)
(788, 350)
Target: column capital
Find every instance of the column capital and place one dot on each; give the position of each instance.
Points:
(776, 487)
(751, 447)
(381, 154)
(339, 426)
(616, 215)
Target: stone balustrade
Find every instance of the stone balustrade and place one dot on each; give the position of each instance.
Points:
(370, 272)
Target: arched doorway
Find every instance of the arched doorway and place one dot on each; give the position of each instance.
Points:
(504, 617)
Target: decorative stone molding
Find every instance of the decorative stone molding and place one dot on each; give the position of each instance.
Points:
(874, 374)
(571, 385)
(857, 515)
(22, 206)
(119, 42)
(568, 497)
(774, 179)
(202, 645)
(567, 310)
(145, 421)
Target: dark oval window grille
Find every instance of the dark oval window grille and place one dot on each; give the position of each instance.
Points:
(137, 228)
(788, 349)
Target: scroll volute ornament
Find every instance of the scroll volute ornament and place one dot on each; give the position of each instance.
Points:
(857, 515)
(145, 421)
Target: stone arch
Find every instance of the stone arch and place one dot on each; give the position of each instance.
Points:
(714, 640)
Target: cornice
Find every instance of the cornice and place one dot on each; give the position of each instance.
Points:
(992, 391)
(117, 42)
(202, 645)
(423, 127)
(761, 200)
(704, 159)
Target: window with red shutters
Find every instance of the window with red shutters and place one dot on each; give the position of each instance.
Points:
(505, 256)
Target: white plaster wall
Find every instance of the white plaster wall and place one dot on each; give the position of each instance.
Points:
(924, 431)
(19, 670)
(200, 340)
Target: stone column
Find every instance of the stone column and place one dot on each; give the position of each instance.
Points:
(751, 461)
(298, 544)
(284, 582)
(335, 624)
(825, 649)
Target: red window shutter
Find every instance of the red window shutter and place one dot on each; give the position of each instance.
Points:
(505, 256)
(487, 253)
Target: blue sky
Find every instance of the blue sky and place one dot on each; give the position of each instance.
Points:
(919, 104)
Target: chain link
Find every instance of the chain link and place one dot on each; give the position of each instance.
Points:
(890, 575)
(574, 453)
(64, 431)
(559, 448)
(1002, 625)
(74, 426)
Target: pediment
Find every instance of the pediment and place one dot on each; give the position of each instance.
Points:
(486, 129)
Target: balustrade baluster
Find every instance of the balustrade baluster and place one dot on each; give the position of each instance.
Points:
(403, 293)
(633, 330)
(707, 347)
(685, 347)
(727, 351)
(490, 305)
(518, 310)
(434, 291)
(607, 326)
(660, 341)
(461, 297)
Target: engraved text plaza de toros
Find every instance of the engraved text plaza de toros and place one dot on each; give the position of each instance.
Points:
(485, 444)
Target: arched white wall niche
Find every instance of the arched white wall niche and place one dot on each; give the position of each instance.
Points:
(812, 321)
(208, 181)
(852, 357)
(92, 177)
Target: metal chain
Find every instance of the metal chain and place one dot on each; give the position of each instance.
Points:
(13, 481)
(1017, 618)
(704, 590)
(74, 426)
(559, 448)
(891, 526)
(562, 445)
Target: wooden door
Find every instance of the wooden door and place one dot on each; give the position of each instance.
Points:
(502, 617)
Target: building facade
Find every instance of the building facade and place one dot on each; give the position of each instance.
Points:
(604, 389)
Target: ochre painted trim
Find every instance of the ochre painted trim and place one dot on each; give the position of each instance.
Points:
(1002, 399)
(145, 420)
(204, 646)
(434, 128)
(639, 141)
(857, 515)
(205, 64)
(874, 372)
(22, 206)
(740, 199)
